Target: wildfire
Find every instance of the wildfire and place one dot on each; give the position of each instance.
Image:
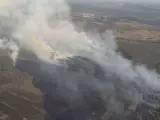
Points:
(52, 57)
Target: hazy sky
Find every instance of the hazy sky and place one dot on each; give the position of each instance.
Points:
(140, 1)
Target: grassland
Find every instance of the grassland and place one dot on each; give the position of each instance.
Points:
(136, 31)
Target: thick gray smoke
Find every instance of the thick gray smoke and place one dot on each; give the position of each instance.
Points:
(99, 75)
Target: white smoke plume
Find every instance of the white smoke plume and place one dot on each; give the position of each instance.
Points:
(44, 26)
(13, 48)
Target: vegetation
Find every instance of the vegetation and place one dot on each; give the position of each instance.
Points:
(18, 97)
(136, 31)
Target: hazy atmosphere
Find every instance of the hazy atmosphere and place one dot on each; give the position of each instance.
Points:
(135, 1)
(79, 60)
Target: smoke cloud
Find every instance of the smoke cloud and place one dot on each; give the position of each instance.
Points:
(44, 26)
(13, 48)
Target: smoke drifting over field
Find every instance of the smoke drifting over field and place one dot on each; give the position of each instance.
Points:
(44, 26)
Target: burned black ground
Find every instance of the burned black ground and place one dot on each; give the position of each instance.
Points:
(22, 103)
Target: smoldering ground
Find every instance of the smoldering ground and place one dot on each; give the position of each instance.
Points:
(88, 78)
(84, 89)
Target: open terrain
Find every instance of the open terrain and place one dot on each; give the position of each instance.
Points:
(129, 21)
(20, 99)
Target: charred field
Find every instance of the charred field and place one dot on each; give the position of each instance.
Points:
(20, 99)
(89, 79)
